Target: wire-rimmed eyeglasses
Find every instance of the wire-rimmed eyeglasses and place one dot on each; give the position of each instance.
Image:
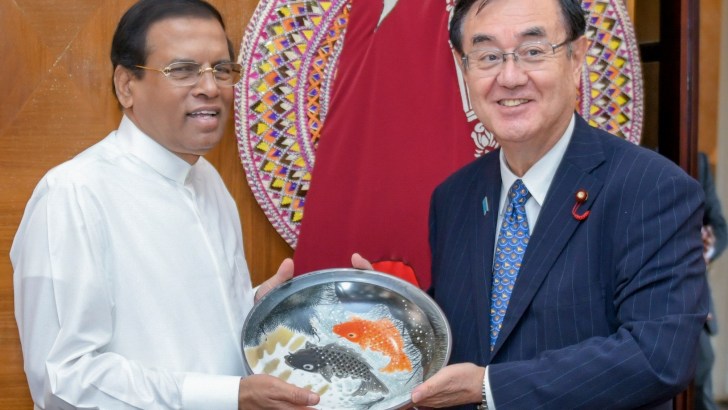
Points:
(185, 74)
(487, 62)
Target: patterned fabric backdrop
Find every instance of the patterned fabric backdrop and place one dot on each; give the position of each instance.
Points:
(353, 110)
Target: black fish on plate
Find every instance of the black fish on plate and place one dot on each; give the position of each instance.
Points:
(335, 360)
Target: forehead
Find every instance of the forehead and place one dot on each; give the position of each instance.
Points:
(503, 22)
(186, 38)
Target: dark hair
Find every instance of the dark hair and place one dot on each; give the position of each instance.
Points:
(573, 15)
(129, 46)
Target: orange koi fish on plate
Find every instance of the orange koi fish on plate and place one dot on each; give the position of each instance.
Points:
(380, 336)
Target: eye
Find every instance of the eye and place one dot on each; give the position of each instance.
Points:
(224, 69)
(183, 70)
(229, 73)
(308, 367)
(487, 56)
(532, 51)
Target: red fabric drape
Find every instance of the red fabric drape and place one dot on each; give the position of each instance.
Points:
(395, 128)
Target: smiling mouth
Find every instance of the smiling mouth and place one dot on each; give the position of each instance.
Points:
(512, 103)
(203, 114)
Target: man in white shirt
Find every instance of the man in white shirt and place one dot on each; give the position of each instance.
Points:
(131, 286)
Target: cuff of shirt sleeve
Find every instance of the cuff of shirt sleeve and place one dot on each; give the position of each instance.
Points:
(709, 253)
(488, 393)
(210, 392)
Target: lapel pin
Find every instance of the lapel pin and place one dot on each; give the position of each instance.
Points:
(581, 197)
(486, 207)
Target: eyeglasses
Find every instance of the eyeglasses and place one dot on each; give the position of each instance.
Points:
(486, 62)
(184, 74)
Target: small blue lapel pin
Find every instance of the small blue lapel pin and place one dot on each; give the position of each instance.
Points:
(486, 207)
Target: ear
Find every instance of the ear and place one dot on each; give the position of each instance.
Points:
(578, 53)
(122, 84)
(459, 60)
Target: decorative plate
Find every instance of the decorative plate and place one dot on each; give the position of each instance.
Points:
(360, 339)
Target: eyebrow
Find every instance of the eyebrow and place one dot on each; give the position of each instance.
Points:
(481, 38)
(189, 60)
(536, 32)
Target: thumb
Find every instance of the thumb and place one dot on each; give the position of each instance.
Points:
(304, 397)
(358, 262)
(284, 273)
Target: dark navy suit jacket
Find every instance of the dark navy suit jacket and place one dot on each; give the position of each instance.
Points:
(606, 312)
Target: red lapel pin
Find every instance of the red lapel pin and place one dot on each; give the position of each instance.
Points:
(581, 197)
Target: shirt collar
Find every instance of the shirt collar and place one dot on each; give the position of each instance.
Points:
(539, 177)
(159, 158)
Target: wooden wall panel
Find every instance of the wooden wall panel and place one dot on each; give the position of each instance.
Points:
(710, 55)
(57, 100)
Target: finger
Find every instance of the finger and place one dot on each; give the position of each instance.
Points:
(421, 393)
(359, 262)
(284, 273)
(295, 395)
(304, 397)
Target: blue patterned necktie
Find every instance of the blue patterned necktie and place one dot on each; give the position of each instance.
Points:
(509, 250)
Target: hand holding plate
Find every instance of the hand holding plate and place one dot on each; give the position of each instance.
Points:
(267, 392)
(460, 383)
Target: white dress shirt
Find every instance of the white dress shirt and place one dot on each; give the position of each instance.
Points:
(537, 180)
(131, 285)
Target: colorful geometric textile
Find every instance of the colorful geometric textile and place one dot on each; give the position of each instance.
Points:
(289, 56)
(351, 111)
(611, 87)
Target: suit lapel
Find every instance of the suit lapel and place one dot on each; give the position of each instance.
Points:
(555, 222)
(481, 263)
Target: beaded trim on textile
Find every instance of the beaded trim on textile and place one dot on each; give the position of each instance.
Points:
(611, 86)
(289, 55)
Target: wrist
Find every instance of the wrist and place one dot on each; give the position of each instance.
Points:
(484, 397)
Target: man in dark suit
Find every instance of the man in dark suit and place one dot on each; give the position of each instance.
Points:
(715, 239)
(568, 262)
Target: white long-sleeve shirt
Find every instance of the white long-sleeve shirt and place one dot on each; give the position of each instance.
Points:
(131, 285)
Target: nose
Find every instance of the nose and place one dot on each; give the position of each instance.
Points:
(511, 75)
(207, 84)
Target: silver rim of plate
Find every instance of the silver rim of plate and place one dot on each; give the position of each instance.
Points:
(358, 338)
